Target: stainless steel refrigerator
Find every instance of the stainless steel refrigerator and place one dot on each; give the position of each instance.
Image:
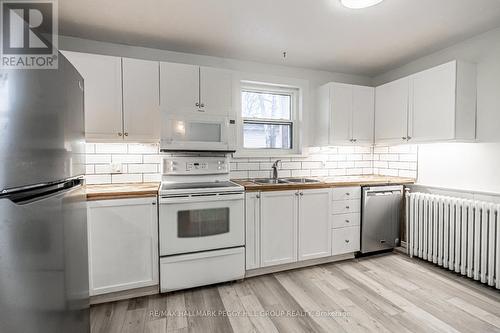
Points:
(43, 227)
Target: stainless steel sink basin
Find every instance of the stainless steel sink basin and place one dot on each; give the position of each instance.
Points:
(270, 181)
(301, 180)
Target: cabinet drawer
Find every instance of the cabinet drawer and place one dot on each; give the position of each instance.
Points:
(345, 240)
(346, 220)
(346, 206)
(346, 193)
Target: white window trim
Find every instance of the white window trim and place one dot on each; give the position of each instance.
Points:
(295, 120)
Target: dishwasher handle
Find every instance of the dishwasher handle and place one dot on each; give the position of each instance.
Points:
(371, 194)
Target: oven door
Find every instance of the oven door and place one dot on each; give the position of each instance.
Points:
(201, 222)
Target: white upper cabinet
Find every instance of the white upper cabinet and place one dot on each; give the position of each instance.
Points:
(438, 104)
(121, 97)
(391, 111)
(189, 89)
(216, 91)
(179, 88)
(345, 114)
(141, 100)
(363, 113)
(103, 94)
(443, 103)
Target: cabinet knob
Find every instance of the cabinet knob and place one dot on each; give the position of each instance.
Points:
(120, 134)
(347, 193)
(347, 207)
(197, 104)
(347, 241)
(354, 140)
(258, 196)
(408, 138)
(202, 105)
(404, 138)
(126, 134)
(301, 193)
(347, 221)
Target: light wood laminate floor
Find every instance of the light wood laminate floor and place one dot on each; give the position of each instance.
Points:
(385, 293)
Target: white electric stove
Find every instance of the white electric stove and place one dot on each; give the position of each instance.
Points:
(201, 223)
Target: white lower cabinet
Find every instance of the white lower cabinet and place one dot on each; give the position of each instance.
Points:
(287, 226)
(123, 244)
(252, 230)
(314, 224)
(346, 220)
(278, 228)
(345, 240)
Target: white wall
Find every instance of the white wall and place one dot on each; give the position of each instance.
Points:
(314, 77)
(473, 166)
(460, 166)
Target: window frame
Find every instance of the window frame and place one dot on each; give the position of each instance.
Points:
(269, 88)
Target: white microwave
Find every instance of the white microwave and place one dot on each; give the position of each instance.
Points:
(198, 133)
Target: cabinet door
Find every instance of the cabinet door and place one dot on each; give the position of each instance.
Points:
(179, 88)
(216, 91)
(141, 100)
(391, 111)
(341, 113)
(432, 107)
(252, 224)
(123, 244)
(314, 224)
(363, 113)
(103, 94)
(278, 228)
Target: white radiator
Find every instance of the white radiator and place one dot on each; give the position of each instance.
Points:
(459, 234)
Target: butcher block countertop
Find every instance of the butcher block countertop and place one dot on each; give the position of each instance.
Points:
(121, 191)
(326, 182)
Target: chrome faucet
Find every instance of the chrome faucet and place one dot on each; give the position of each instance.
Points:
(275, 169)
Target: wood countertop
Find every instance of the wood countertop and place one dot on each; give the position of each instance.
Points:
(121, 191)
(326, 182)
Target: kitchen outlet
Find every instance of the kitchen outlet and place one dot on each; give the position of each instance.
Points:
(116, 168)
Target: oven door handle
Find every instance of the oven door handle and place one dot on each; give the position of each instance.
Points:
(200, 198)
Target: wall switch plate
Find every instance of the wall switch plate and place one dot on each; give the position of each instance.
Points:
(116, 168)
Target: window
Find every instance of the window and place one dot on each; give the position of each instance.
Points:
(268, 117)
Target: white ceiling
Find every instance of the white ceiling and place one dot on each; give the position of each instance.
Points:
(317, 34)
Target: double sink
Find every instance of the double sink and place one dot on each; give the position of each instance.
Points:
(285, 181)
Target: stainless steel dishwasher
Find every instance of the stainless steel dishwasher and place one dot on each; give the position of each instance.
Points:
(380, 217)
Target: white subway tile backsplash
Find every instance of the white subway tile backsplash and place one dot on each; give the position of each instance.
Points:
(97, 159)
(142, 168)
(111, 148)
(129, 158)
(126, 178)
(142, 148)
(142, 163)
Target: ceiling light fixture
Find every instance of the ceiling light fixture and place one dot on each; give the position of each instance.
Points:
(358, 4)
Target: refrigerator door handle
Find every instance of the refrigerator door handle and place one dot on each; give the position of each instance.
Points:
(23, 197)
